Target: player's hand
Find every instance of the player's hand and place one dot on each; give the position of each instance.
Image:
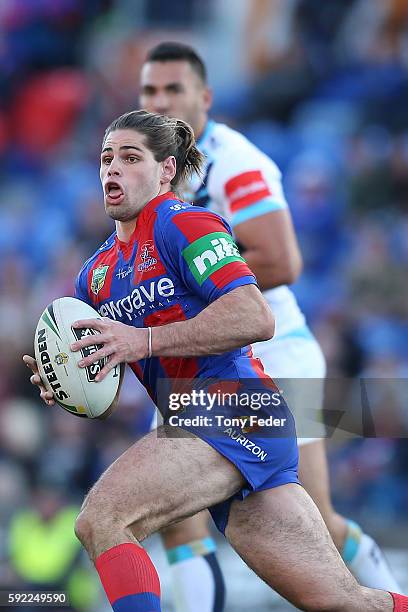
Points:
(121, 343)
(35, 379)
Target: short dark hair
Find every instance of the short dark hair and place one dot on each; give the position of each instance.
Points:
(174, 51)
(165, 136)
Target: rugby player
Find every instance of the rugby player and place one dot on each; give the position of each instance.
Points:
(189, 323)
(244, 186)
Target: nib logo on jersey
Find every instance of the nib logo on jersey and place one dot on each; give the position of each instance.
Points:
(210, 253)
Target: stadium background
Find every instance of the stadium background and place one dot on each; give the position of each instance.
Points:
(320, 86)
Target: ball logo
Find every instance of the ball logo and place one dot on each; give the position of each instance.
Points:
(47, 367)
(61, 359)
(92, 370)
(98, 278)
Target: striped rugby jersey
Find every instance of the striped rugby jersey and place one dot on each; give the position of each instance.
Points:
(180, 258)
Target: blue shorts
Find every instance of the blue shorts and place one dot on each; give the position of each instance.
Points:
(261, 444)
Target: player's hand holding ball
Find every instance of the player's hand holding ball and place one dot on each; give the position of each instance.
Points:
(121, 344)
(78, 357)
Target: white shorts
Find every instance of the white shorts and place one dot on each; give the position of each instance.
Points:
(298, 367)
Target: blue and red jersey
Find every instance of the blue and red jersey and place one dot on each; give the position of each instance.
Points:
(180, 258)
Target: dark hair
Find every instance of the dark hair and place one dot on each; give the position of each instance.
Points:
(174, 51)
(165, 136)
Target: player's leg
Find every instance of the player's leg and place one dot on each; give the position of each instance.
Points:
(281, 535)
(196, 577)
(197, 581)
(314, 476)
(359, 551)
(298, 366)
(154, 483)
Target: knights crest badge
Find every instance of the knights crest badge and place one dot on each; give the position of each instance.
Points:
(98, 278)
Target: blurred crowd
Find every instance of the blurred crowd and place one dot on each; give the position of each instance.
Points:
(322, 87)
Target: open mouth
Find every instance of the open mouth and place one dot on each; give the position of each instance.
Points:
(114, 192)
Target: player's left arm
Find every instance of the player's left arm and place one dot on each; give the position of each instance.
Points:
(270, 248)
(216, 329)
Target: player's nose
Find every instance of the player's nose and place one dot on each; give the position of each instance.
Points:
(160, 104)
(114, 168)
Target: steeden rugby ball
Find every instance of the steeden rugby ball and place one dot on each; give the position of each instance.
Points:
(74, 388)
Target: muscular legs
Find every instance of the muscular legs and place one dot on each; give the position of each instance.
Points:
(278, 532)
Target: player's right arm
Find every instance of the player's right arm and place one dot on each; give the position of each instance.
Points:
(35, 379)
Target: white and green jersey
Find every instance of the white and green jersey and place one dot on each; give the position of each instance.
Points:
(240, 183)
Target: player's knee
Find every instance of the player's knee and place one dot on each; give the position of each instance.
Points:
(93, 526)
(83, 529)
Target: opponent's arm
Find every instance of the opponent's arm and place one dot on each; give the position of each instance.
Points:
(270, 248)
(233, 320)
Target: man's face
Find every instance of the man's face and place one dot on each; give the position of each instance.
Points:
(130, 175)
(173, 88)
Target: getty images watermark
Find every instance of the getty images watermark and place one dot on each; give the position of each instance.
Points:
(335, 408)
(219, 400)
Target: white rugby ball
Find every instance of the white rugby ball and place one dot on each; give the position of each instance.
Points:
(74, 388)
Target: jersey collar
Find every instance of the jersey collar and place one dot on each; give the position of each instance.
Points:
(145, 213)
(151, 206)
(206, 132)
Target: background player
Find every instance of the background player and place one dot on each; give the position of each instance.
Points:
(266, 515)
(244, 185)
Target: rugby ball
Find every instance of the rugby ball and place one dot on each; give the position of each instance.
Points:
(74, 388)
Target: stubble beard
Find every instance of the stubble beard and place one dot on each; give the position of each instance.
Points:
(122, 212)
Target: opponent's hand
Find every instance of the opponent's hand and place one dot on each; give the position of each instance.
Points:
(35, 379)
(121, 343)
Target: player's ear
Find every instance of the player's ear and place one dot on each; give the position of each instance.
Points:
(168, 169)
(207, 98)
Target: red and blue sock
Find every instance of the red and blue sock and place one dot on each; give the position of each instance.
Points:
(400, 602)
(129, 578)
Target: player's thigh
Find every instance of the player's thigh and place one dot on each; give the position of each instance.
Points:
(160, 480)
(190, 529)
(280, 534)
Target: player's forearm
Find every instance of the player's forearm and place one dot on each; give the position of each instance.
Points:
(273, 274)
(234, 320)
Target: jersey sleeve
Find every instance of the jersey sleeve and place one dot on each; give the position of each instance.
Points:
(246, 183)
(81, 288)
(201, 247)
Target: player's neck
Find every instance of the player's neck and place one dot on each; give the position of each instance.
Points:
(125, 229)
(199, 129)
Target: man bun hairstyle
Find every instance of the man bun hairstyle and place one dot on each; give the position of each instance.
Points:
(164, 136)
(177, 52)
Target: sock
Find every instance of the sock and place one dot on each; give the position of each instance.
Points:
(198, 585)
(366, 561)
(400, 602)
(129, 578)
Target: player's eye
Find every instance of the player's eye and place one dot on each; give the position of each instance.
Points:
(106, 160)
(176, 88)
(132, 159)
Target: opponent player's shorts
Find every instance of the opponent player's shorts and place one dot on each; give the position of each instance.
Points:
(261, 443)
(297, 365)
